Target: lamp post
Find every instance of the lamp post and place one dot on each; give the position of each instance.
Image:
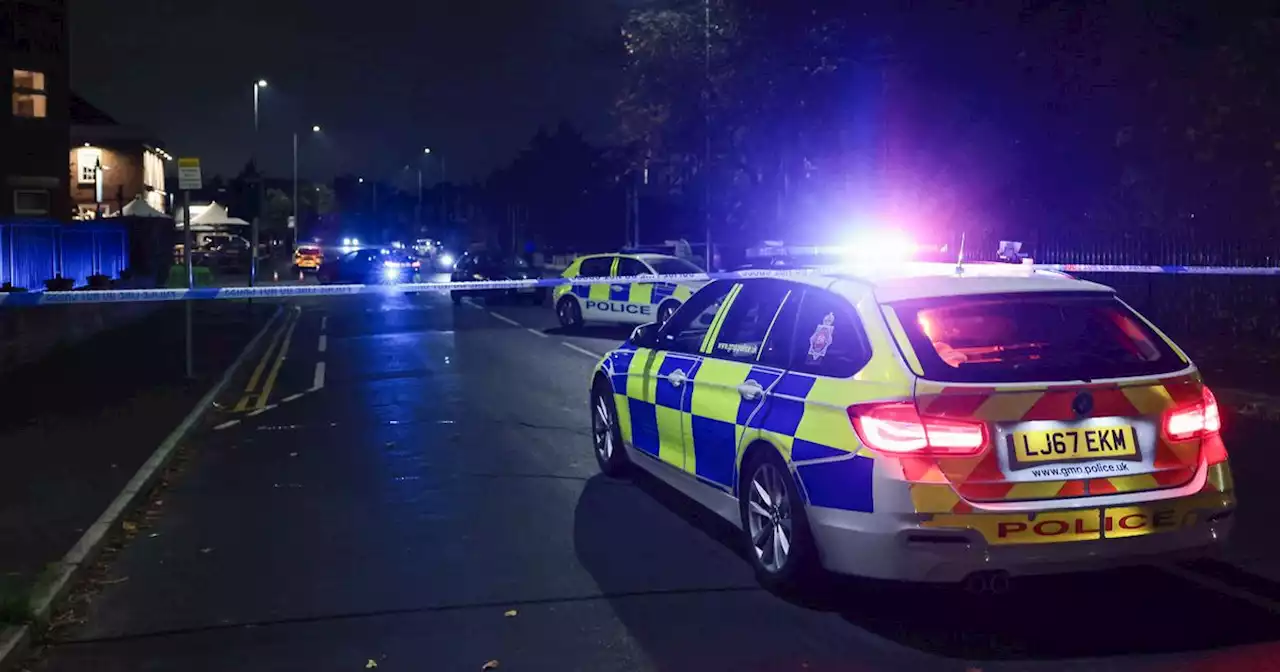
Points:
(262, 190)
(297, 221)
(417, 216)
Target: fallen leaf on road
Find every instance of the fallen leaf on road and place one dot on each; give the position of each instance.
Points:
(491, 665)
(153, 535)
(207, 550)
(510, 613)
(113, 581)
(371, 664)
(293, 454)
(129, 527)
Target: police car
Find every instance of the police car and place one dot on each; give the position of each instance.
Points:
(921, 424)
(623, 303)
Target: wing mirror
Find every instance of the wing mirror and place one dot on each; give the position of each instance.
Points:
(646, 335)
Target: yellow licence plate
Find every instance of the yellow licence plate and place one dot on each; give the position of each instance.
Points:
(1079, 443)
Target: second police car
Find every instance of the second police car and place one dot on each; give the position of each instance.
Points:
(623, 302)
(923, 425)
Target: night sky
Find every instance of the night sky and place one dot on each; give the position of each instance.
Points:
(471, 79)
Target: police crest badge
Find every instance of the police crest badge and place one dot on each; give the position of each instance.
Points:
(822, 337)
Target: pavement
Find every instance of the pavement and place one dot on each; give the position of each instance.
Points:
(404, 484)
(76, 425)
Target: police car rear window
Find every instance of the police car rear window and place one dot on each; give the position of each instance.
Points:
(673, 266)
(1032, 338)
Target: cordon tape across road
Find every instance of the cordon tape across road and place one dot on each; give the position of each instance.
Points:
(21, 299)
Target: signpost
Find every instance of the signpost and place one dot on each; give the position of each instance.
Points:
(188, 179)
(189, 174)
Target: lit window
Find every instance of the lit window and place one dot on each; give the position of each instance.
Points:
(152, 170)
(88, 160)
(30, 98)
(31, 202)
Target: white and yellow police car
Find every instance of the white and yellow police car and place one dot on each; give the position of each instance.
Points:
(623, 302)
(921, 424)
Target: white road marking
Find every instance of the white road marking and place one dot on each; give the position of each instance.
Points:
(593, 355)
(294, 397)
(229, 423)
(324, 343)
(318, 381)
(324, 323)
(506, 319)
(535, 332)
(1223, 588)
(262, 410)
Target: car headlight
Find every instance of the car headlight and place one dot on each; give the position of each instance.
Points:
(446, 259)
(478, 276)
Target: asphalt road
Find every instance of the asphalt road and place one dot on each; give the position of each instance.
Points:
(417, 492)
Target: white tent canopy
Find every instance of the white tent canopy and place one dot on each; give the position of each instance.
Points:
(139, 207)
(217, 215)
(214, 216)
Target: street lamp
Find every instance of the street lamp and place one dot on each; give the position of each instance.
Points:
(427, 152)
(262, 189)
(297, 222)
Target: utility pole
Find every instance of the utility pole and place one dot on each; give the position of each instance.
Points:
(296, 222)
(262, 188)
(706, 125)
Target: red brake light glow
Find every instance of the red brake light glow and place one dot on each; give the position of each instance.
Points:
(1195, 420)
(896, 428)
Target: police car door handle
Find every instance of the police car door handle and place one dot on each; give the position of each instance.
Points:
(750, 390)
(677, 378)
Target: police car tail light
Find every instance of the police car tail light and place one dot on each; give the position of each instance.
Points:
(1194, 420)
(897, 428)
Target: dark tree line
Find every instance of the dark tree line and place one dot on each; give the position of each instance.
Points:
(956, 115)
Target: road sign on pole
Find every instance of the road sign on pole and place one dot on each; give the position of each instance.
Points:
(189, 174)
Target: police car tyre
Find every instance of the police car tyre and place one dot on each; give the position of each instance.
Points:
(569, 313)
(606, 437)
(666, 310)
(456, 296)
(774, 524)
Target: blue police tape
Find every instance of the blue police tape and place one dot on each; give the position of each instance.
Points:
(20, 299)
(1161, 270)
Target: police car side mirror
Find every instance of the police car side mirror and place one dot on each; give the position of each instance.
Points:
(646, 335)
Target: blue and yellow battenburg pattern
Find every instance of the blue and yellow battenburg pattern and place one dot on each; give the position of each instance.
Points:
(704, 426)
(652, 293)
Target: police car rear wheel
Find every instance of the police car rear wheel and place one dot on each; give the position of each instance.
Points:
(605, 435)
(569, 314)
(774, 521)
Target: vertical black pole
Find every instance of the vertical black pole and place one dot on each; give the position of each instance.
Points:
(191, 283)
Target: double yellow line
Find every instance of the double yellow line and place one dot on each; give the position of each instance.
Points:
(252, 395)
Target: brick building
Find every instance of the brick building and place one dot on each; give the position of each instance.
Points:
(111, 164)
(35, 71)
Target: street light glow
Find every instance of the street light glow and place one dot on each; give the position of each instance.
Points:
(361, 180)
(262, 84)
(426, 150)
(315, 129)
